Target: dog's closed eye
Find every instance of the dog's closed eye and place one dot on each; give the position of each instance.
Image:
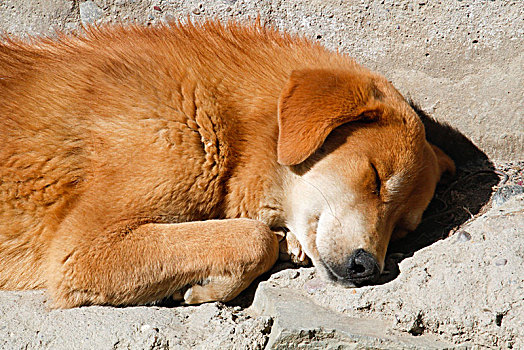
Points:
(378, 183)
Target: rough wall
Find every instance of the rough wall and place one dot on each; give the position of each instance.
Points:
(461, 61)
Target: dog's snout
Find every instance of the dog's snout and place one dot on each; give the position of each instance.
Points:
(361, 268)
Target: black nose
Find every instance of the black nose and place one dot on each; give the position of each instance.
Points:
(360, 269)
(363, 267)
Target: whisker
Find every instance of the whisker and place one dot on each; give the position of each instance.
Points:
(325, 198)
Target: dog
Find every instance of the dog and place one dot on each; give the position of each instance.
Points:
(143, 163)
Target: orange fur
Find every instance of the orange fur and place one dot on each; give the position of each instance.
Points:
(112, 138)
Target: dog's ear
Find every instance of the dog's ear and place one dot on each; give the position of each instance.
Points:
(445, 163)
(316, 101)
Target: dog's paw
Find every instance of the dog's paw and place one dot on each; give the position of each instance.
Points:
(196, 295)
(291, 250)
(214, 288)
(201, 293)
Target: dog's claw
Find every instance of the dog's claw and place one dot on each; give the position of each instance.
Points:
(302, 256)
(290, 249)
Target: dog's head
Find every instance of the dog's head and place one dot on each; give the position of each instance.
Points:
(362, 170)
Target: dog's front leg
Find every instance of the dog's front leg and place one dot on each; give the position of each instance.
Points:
(138, 263)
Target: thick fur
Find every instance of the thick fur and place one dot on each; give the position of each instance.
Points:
(112, 140)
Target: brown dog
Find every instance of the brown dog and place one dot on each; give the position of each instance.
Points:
(120, 148)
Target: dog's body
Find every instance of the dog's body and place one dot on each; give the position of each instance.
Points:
(117, 147)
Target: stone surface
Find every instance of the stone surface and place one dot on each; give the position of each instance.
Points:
(300, 323)
(505, 192)
(89, 12)
(27, 323)
(37, 17)
(461, 61)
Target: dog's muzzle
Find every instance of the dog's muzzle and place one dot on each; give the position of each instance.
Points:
(361, 268)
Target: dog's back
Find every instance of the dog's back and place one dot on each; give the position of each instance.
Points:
(42, 159)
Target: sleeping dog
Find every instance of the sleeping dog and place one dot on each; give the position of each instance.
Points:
(141, 163)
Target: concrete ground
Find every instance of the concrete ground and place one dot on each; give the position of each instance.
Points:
(462, 63)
